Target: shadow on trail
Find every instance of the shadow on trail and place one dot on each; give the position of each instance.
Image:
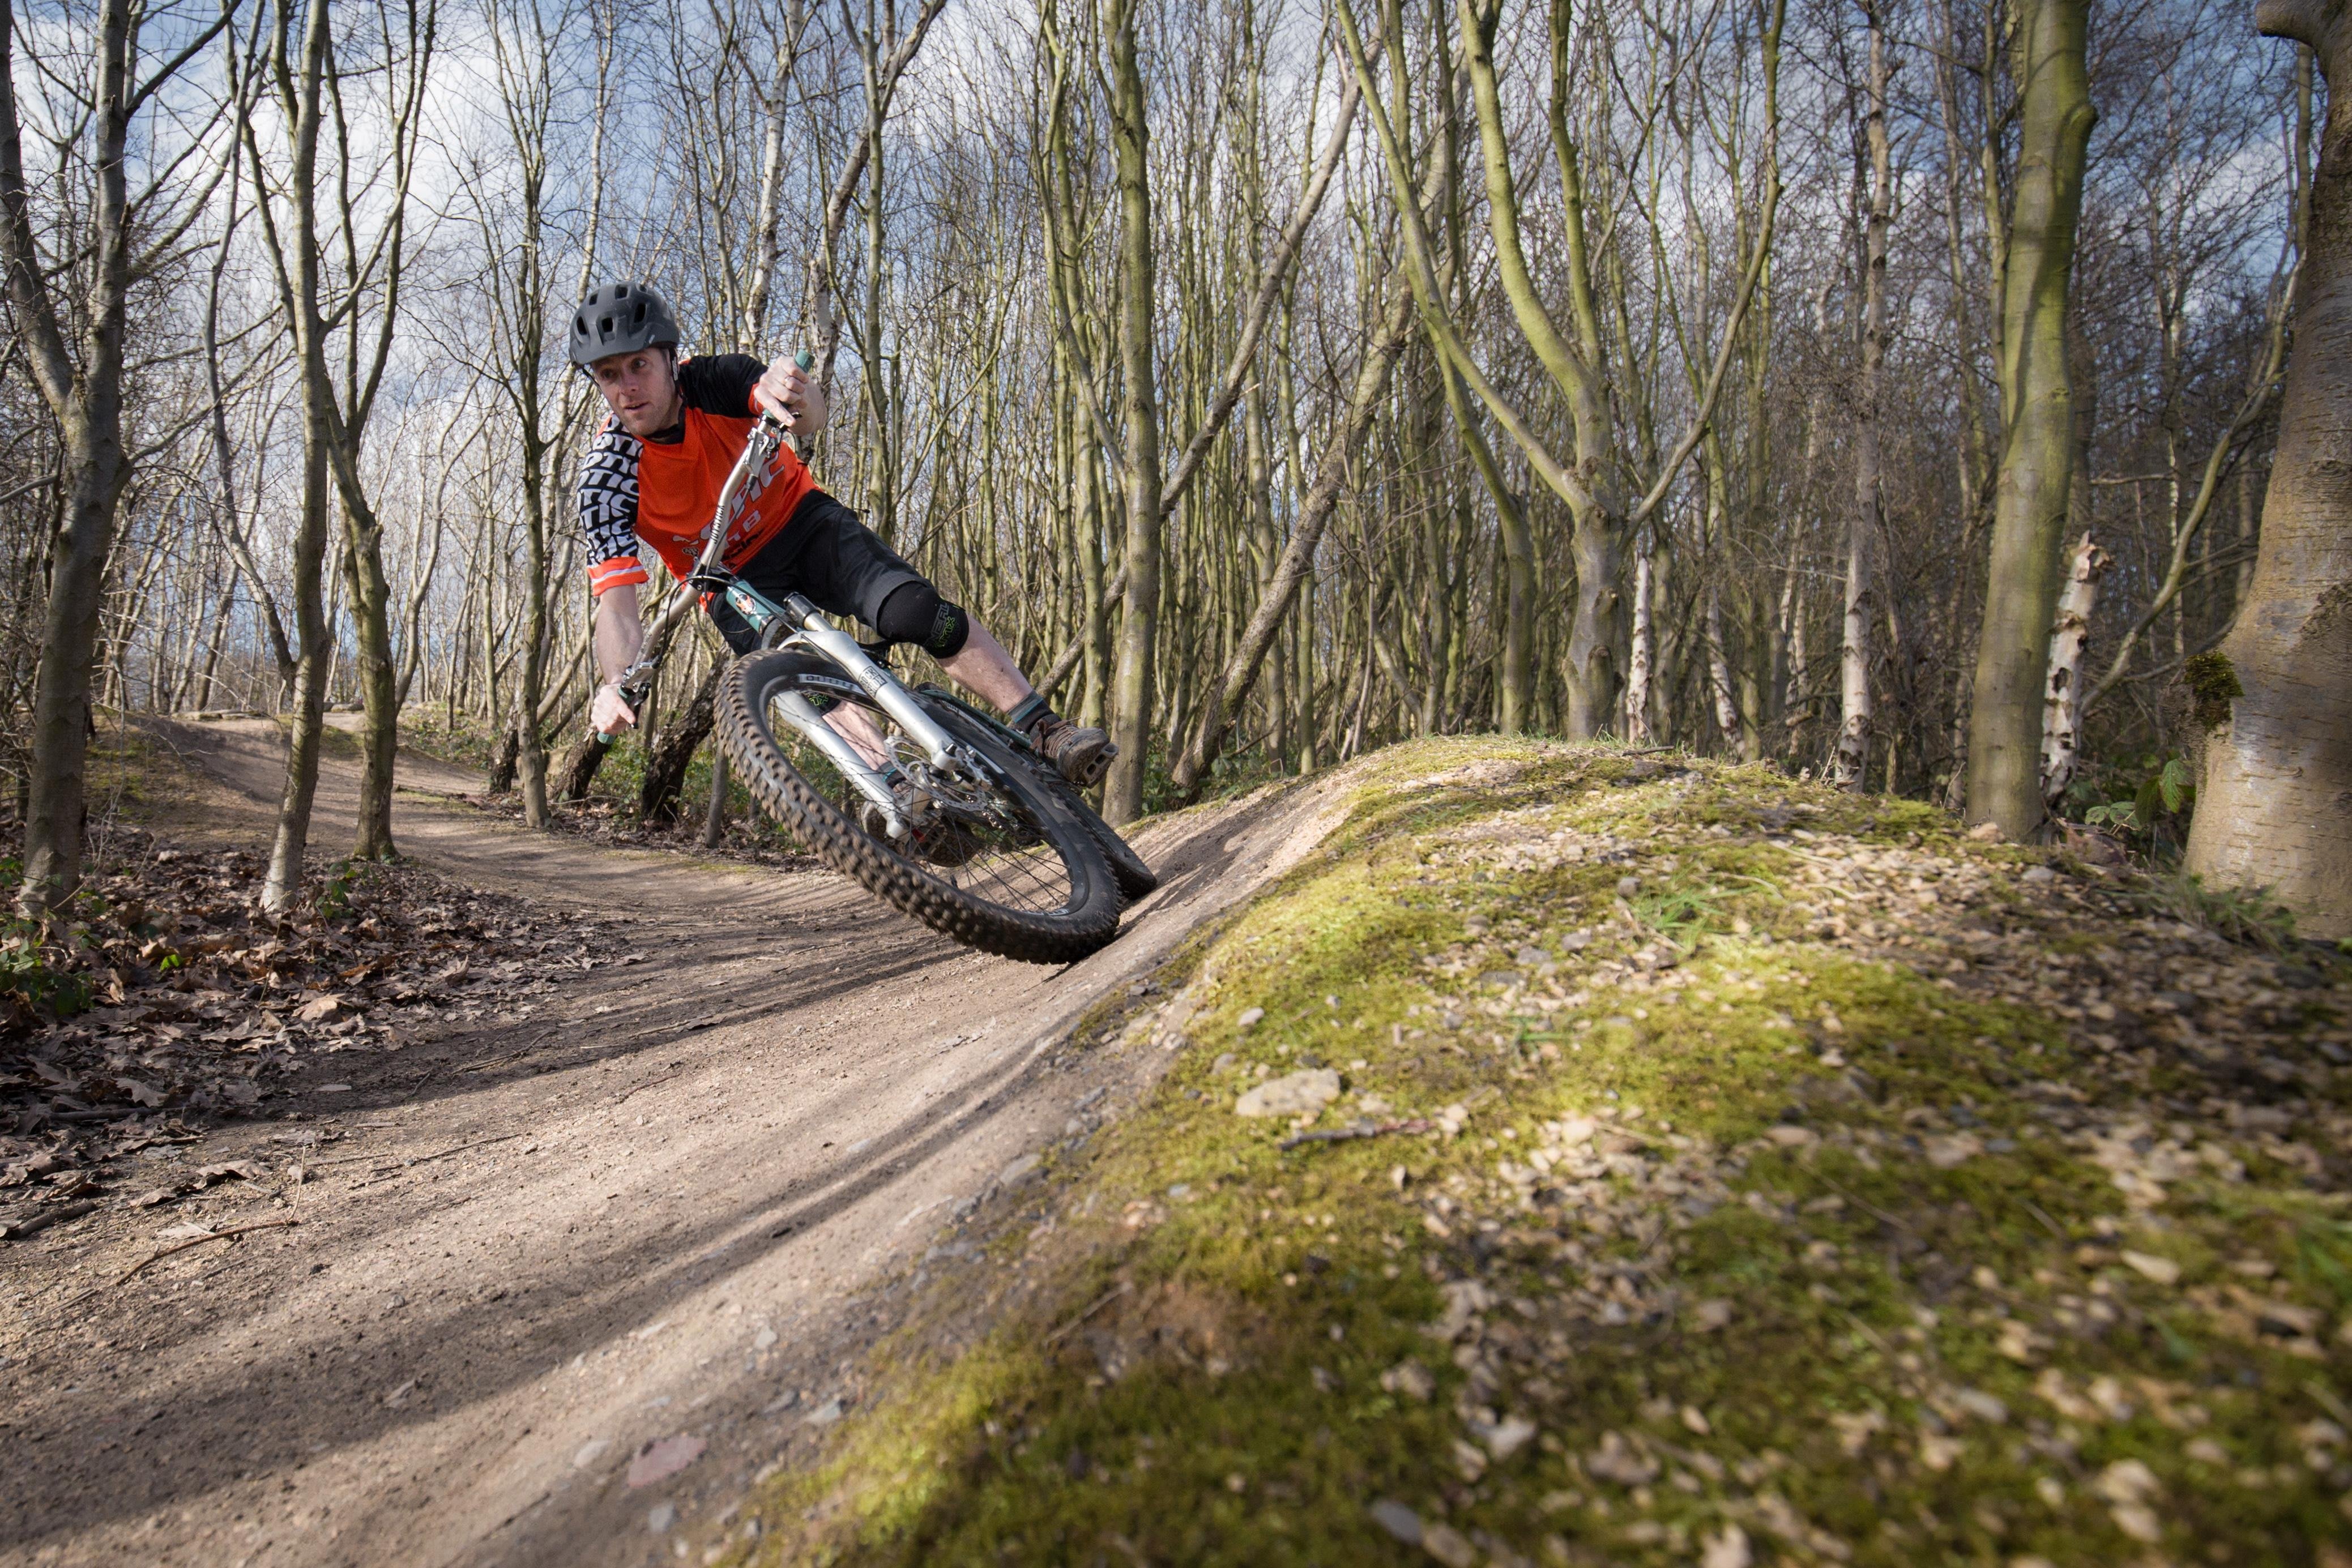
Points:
(278, 1393)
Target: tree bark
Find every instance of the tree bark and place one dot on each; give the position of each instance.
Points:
(1132, 681)
(2062, 707)
(2029, 501)
(2275, 806)
(1851, 762)
(666, 762)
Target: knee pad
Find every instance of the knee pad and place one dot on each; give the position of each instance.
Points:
(914, 613)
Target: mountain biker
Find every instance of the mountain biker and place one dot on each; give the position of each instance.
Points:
(654, 471)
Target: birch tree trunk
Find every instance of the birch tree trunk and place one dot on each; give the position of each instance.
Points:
(2061, 703)
(1640, 658)
(2275, 806)
(1851, 762)
(2030, 499)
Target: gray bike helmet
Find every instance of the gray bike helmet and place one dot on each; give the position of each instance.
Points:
(620, 319)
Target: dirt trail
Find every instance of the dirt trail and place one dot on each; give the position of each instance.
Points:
(707, 1155)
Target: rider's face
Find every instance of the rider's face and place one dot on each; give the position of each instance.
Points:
(640, 388)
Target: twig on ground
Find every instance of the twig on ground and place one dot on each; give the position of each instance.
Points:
(1361, 1130)
(445, 1153)
(197, 1241)
(1122, 1288)
(543, 1037)
(17, 1229)
(646, 1084)
(1848, 1192)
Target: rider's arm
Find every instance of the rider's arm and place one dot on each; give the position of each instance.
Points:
(737, 385)
(620, 634)
(608, 519)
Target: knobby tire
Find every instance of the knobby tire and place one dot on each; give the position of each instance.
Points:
(1087, 920)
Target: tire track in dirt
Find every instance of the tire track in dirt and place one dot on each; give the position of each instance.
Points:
(708, 1161)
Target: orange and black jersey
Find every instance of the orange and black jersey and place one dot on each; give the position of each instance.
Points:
(664, 490)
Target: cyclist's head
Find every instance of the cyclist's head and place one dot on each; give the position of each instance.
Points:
(621, 318)
(624, 339)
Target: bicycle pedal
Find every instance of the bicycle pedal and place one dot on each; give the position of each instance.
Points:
(1101, 766)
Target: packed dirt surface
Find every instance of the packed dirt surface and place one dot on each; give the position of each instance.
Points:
(515, 1286)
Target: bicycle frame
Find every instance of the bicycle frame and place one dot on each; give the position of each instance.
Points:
(796, 623)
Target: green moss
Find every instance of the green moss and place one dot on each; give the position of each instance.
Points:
(2212, 682)
(1890, 1318)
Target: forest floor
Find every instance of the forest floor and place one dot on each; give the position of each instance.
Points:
(1585, 1158)
(1492, 1152)
(506, 1195)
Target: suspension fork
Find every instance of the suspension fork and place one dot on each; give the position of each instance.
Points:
(809, 626)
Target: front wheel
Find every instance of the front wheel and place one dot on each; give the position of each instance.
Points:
(1001, 864)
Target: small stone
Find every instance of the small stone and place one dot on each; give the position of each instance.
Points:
(826, 1413)
(1627, 886)
(2138, 1521)
(660, 1517)
(1615, 1460)
(1225, 1062)
(1727, 1550)
(1398, 1520)
(663, 1458)
(2128, 1481)
(1507, 1436)
(1293, 1094)
(1958, 1149)
(2039, 874)
(1710, 1316)
(1018, 1171)
(1985, 833)
(764, 1339)
(1250, 1015)
(1937, 1452)
(1982, 1406)
(1411, 1379)
(591, 1451)
(1696, 1419)
(2163, 1271)
(1448, 1545)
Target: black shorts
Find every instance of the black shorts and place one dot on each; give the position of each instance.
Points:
(828, 558)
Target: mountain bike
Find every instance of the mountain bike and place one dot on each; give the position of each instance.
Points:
(984, 840)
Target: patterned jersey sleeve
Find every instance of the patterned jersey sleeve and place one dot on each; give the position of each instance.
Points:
(608, 509)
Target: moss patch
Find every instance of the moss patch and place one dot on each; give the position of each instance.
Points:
(1727, 1170)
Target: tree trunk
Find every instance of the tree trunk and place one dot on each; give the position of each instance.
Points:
(1133, 684)
(283, 884)
(2062, 715)
(666, 762)
(1637, 664)
(371, 597)
(2275, 807)
(1852, 760)
(86, 399)
(2054, 119)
